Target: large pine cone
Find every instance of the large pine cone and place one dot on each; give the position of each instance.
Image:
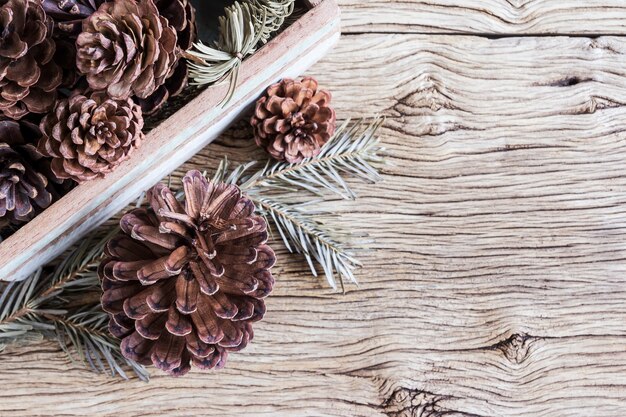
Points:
(24, 190)
(294, 120)
(29, 76)
(181, 15)
(184, 283)
(90, 135)
(127, 48)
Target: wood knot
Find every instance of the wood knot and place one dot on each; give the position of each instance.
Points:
(516, 348)
(428, 96)
(596, 103)
(407, 402)
(570, 81)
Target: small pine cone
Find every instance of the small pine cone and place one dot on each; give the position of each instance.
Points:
(90, 135)
(29, 76)
(24, 190)
(127, 48)
(181, 15)
(183, 283)
(293, 120)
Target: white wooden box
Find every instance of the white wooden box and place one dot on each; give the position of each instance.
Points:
(170, 144)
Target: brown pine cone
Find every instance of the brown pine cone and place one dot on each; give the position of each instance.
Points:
(24, 190)
(90, 135)
(293, 120)
(127, 48)
(68, 15)
(29, 76)
(183, 283)
(181, 15)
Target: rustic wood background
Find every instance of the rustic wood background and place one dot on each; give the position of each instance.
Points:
(495, 285)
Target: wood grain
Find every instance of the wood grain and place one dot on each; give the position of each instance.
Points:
(494, 285)
(489, 17)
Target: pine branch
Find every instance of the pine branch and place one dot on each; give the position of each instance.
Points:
(16, 319)
(351, 151)
(87, 331)
(57, 306)
(308, 237)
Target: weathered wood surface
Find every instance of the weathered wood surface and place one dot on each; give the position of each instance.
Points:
(487, 17)
(495, 285)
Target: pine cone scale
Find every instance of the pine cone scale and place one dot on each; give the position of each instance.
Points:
(151, 326)
(177, 324)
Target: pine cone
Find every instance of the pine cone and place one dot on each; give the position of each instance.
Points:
(127, 48)
(181, 15)
(183, 284)
(24, 190)
(68, 15)
(29, 76)
(90, 135)
(293, 120)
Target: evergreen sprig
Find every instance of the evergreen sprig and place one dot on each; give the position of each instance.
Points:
(242, 29)
(64, 305)
(305, 235)
(353, 151)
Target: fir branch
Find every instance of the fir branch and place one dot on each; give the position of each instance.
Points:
(351, 151)
(87, 331)
(307, 236)
(57, 306)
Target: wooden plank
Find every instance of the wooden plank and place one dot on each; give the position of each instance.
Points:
(372, 378)
(499, 17)
(167, 146)
(494, 285)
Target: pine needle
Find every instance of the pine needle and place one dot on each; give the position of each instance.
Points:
(270, 15)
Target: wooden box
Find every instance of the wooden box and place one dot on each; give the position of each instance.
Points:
(170, 144)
